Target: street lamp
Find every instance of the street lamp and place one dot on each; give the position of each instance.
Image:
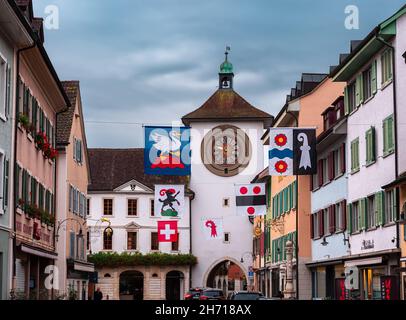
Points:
(245, 253)
(80, 234)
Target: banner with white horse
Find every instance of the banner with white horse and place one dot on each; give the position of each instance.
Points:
(167, 151)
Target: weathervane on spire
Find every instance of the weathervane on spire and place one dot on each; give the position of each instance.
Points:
(228, 49)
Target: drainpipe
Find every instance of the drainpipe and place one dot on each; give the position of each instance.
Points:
(190, 238)
(17, 91)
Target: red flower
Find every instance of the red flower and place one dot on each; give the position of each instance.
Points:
(280, 140)
(281, 166)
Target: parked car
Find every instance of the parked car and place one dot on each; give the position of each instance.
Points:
(212, 294)
(246, 295)
(194, 294)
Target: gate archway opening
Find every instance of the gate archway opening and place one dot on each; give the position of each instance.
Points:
(131, 285)
(174, 285)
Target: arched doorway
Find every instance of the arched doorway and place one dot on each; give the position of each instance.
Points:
(131, 285)
(174, 285)
(227, 276)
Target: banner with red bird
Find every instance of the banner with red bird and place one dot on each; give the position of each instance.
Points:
(212, 228)
(169, 200)
(250, 199)
(168, 231)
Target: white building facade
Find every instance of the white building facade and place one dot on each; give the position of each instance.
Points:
(129, 210)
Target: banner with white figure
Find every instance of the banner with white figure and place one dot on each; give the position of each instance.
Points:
(169, 200)
(212, 228)
(292, 151)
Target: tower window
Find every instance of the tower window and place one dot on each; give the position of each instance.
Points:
(226, 202)
(226, 237)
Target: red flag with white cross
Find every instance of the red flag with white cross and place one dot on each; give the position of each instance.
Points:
(167, 231)
(250, 199)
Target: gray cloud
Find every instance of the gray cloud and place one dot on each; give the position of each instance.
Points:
(154, 61)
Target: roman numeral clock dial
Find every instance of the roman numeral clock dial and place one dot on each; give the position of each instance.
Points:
(226, 150)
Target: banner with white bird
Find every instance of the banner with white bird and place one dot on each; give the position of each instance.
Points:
(169, 200)
(167, 151)
(212, 228)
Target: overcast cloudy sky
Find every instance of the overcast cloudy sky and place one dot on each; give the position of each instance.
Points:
(153, 61)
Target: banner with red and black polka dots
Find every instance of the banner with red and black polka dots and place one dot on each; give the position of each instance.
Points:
(250, 199)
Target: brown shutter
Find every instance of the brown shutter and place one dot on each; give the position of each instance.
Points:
(312, 216)
(320, 172)
(331, 166)
(321, 223)
(332, 228)
(342, 155)
(344, 214)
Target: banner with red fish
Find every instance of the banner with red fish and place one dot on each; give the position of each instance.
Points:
(169, 200)
(212, 228)
(167, 151)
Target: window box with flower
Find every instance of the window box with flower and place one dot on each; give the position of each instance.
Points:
(41, 140)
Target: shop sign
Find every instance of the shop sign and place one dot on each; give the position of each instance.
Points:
(341, 292)
(389, 288)
(367, 244)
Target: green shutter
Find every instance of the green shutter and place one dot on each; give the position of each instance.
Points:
(285, 200)
(346, 101)
(349, 217)
(363, 214)
(290, 196)
(285, 239)
(374, 83)
(8, 91)
(358, 90)
(395, 203)
(17, 185)
(295, 194)
(380, 204)
(5, 183)
(391, 143)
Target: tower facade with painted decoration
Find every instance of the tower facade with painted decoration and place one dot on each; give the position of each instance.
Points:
(226, 151)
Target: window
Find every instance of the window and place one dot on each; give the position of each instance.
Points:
(72, 242)
(325, 171)
(355, 155)
(388, 136)
(131, 240)
(132, 207)
(371, 211)
(226, 237)
(326, 221)
(350, 98)
(370, 146)
(152, 208)
(316, 227)
(108, 207)
(5, 87)
(154, 241)
(390, 206)
(88, 206)
(88, 240)
(226, 202)
(77, 152)
(355, 216)
(107, 239)
(175, 245)
(386, 66)
(337, 162)
(2, 182)
(367, 83)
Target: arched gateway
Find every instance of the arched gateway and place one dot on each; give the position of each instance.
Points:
(227, 276)
(131, 285)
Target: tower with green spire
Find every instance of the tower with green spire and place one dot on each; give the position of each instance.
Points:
(226, 74)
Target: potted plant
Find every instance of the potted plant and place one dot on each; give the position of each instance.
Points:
(24, 120)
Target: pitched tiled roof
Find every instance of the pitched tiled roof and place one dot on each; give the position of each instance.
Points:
(65, 119)
(111, 168)
(227, 105)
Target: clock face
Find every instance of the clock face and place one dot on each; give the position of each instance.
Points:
(226, 150)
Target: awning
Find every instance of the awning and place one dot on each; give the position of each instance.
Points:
(83, 267)
(363, 262)
(324, 263)
(39, 252)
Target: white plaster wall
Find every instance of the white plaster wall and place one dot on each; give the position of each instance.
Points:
(210, 191)
(400, 47)
(147, 223)
(382, 238)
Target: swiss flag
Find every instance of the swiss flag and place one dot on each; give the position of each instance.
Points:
(167, 231)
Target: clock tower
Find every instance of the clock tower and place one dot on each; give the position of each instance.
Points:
(226, 149)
